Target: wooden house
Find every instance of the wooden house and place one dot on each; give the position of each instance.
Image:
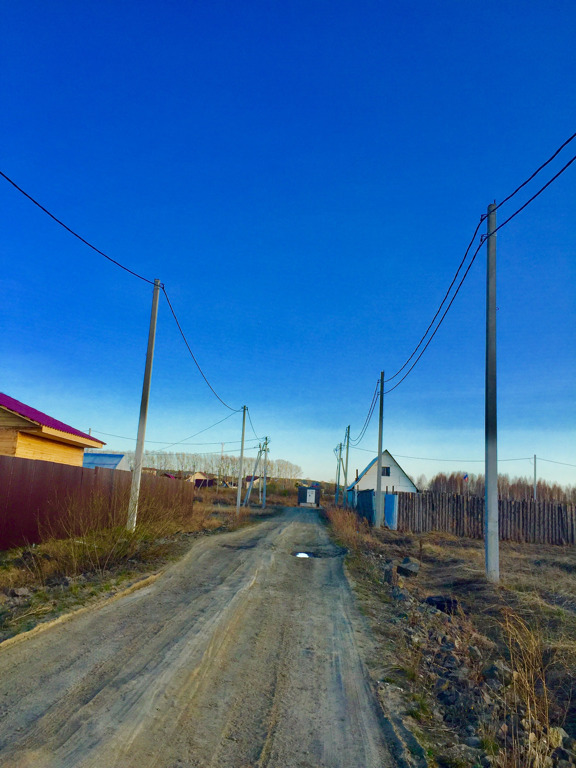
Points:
(394, 479)
(31, 434)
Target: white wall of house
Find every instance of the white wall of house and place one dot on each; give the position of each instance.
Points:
(397, 481)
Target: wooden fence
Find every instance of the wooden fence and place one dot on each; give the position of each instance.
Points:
(41, 499)
(541, 522)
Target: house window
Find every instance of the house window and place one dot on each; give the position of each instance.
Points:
(385, 471)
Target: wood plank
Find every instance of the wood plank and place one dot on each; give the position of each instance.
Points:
(41, 449)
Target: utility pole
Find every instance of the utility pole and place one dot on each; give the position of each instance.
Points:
(265, 470)
(339, 462)
(379, 516)
(241, 467)
(347, 438)
(535, 481)
(491, 535)
(249, 491)
(137, 473)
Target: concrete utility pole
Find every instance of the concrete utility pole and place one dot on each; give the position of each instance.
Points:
(347, 438)
(535, 481)
(249, 491)
(339, 462)
(137, 473)
(491, 535)
(241, 467)
(379, 512)
(265, 470)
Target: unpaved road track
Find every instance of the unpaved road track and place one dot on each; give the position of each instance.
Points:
(241, 655)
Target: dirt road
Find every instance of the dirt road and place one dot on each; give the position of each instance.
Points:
(241, 655)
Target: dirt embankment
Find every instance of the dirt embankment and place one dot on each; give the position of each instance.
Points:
(240, 655)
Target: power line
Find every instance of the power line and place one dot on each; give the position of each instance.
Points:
(252, 425)
(235, 410)
(368, 419)
(527, 203)
(441, 304)
(72, 232)
(199, 433)
(182, 442)
(550, 461)
(503, 224)
(464, 276)
(537, 171)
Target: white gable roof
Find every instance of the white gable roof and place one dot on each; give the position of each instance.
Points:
(399, 480)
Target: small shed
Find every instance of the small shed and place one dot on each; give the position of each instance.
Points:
(106, 461)
(308, 496)
(30, 434)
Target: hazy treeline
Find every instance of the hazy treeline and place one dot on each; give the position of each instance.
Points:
(221, 465)
(518, 488)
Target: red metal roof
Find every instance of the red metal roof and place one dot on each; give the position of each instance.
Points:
(40, 418)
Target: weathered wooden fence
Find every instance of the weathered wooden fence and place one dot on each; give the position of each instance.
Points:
(39, 499)
(541, 522)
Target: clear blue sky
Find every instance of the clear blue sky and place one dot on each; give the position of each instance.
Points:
(304, 178)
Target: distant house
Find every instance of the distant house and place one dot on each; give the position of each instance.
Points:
(30, 434)
(249, 479)
(106, 461)
(200, 480)
(394, 479)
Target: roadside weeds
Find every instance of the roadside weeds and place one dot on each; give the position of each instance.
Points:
(95, 563)
(487, 678)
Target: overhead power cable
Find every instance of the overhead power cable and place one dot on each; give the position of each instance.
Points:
(252, 425)
(417, 347)
(236, 410)
(415, 363)
(537, 171)
(166, 442)
(72, 232)
(503, 224)
(360, 437)
(527, 203)
(551, 461)
(179, 442)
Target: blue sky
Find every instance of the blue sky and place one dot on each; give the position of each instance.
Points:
(304, 178)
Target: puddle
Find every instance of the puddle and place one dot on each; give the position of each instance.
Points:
(305, 554)
(328, 550)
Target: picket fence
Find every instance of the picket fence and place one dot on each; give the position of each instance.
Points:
(42, 499)
(540, 522)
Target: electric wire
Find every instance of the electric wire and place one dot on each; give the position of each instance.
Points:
(537, 171)
(356, 440)
(179, 442)
(417, 347)
(527, 203)
(500, 226)
(464, 276)
(235, 410)
(165, 442)
(72, 232)
(551, 461)
(252, 425)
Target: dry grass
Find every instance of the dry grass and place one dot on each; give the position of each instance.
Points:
(530, 616)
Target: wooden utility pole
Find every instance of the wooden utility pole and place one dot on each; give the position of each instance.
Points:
(137, 473)
(491, 535)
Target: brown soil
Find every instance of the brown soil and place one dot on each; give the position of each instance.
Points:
(239, 655)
